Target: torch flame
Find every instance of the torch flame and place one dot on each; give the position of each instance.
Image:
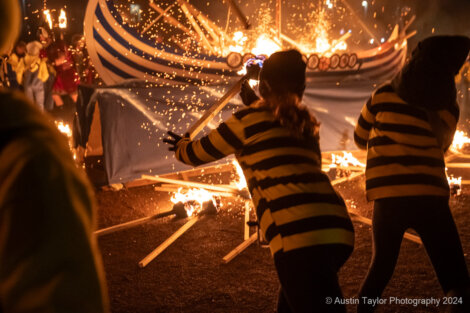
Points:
(48, 17)
(460, 139)
(62, 19)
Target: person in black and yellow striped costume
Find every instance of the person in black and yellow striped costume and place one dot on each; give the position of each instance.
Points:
(304, 220)
(406, 127)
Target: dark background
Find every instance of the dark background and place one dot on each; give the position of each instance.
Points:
(432, 16)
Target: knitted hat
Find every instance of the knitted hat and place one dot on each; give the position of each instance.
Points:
(444, 53)
(10, 24)
(284, 71)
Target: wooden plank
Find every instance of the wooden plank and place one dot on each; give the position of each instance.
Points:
(171, 20)
(196, 27)
(152, 255)
(218, 168)
(458, 165)
(243, 19)
(215, 108)
(156, 20)
(131, 224)
(240, 248)
(225, 188)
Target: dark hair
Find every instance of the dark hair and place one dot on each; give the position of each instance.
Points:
(287, 109)
(282, 83)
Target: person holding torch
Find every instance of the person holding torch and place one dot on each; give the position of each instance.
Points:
(275, 139)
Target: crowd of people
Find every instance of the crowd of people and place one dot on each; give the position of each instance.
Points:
(49, 260)
(48, 70)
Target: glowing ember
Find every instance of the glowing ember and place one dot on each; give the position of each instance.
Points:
(344, 161)
(62, 19)
(47, 15)
(193, 199)
(460, 139)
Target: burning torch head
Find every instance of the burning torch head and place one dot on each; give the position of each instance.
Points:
(283, 72)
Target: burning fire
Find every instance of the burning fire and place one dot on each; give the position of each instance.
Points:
(460, 139)
(193, 199)
(455, 185)
(241, 182)
(62, 19)
(239, 40)
(347, 159)
(67, 131)
(47, 15)
(317, 33)
(64, 128)
(265, 46)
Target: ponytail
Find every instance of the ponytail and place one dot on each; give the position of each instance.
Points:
(287, 109)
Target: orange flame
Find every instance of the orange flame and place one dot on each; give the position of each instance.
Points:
(47, 15)
(241, 182)
(460, 139)
(62, 19)
(193, 199)
(347, 159)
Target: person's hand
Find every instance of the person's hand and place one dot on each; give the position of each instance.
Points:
(247, 94)
(173, 142)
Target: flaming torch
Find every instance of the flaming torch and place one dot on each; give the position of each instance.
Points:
(62, 19)
(47, 16)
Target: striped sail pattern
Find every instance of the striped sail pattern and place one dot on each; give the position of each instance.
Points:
(119, 53)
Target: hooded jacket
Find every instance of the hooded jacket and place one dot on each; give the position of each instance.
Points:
(48, 257)
(408, 124)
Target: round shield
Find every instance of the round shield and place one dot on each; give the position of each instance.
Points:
(343, 60)
(313, 61)
(234, 60)
(352, 60)
(334, 61)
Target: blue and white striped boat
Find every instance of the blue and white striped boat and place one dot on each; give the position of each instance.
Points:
(118, 53)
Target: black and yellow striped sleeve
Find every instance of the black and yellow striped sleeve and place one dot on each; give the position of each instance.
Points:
(364, 125)
(226, 139)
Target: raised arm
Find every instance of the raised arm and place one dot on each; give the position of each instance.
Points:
(226, 139)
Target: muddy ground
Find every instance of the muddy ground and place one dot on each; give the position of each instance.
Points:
(190, 276)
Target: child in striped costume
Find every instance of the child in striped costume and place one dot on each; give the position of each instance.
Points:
(304, 220)
(406, 127)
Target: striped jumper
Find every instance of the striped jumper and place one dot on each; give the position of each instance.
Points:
(403, 154)
(295, 203)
